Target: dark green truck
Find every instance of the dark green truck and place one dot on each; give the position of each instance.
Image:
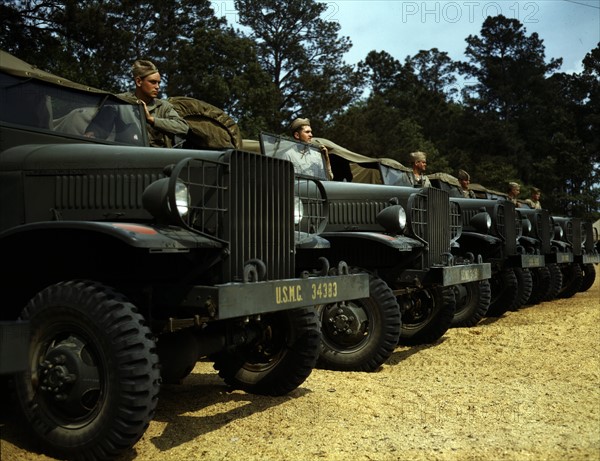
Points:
(123, 265)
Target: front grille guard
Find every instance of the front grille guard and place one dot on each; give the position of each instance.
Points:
(206, 188)
(500, 220)
(315, 213)
(508, 225)
(543, 226)
(456, 224)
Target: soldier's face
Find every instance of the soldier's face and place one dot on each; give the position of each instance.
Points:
(148, 86)
(304, 134)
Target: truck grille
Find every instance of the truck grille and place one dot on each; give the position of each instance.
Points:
(259, 224)
(429, 214)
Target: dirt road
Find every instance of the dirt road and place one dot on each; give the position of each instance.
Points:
(522, 387)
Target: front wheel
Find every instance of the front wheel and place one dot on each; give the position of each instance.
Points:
(540, 277)
(279, 360)
(572, 280)
(426, 315)
(472, 303)
(525, 284)
(91, 387)
(556, 281)
(589, 277)
(360, 335)
(505, 293)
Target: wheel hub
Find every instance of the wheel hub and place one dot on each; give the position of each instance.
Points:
(69, 378)
(346, 323)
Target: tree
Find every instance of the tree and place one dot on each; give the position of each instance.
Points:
(222, 69)
(303, 55)
(508, 66)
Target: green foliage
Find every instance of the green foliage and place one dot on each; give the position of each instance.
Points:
(521, 120)
(302, 53)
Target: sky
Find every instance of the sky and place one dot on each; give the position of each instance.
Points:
(569, 28)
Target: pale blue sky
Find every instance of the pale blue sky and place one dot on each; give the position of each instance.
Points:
(570, 28)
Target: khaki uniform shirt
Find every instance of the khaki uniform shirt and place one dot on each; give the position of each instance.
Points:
(167, 122)
(535, 205)
(423, 181)
(467, 193)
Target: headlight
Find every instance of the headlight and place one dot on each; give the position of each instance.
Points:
(298, 210)
(392, 219)
(558, 232)
(157, 202)
(482, 222)
(527, 226)
(182, 198)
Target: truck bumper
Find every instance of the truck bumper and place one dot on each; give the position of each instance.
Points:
(448, 275)
(528, 261)
(560, 258)
(243, 299)
(590, 259)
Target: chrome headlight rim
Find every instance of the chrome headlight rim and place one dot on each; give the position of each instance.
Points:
(393, 219)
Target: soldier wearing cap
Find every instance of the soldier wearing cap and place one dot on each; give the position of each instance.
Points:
(162, 121)
(464, 180)
(306, 161)
(534, 201)
(417, 177)
(513, 191)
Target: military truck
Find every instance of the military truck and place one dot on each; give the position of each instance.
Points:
(567, 246)
(129, 264)
(402, 237)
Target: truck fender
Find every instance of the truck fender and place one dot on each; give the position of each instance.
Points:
(156, 238)
(489, 239)
(398, 242)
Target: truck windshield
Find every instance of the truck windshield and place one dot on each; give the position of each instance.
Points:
(307, 159)
(62, 110)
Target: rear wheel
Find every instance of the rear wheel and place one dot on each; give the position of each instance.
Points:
(472, 303)
(426, 315)
(92, 384)
(505, 293)
(279, 360)
(360, 335)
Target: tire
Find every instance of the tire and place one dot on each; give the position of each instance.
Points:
(572, 280)
(360, 335)
(541, 284)
(93, 379)
(556, 281)
(505, 293)
(589, 277)
(280, 360)
(472, 303)
(427, 315)
(525, 283)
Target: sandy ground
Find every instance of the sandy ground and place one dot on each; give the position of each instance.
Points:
(522, 387)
